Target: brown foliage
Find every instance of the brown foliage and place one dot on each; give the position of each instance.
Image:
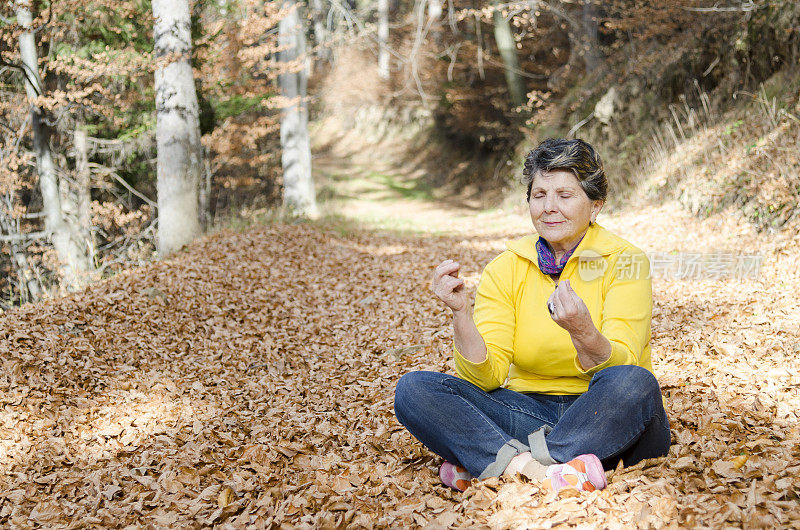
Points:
(249, 381)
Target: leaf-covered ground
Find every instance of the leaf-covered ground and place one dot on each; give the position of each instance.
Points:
(248, 382)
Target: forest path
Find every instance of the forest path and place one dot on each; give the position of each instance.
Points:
(382, 195)
(249, 381)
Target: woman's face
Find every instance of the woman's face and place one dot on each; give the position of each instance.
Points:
(560, 209)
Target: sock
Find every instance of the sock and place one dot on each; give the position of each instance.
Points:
(454, 476)
(535, 470)
(584, 473)
(517, 464)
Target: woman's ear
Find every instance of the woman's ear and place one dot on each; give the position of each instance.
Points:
(596, 207)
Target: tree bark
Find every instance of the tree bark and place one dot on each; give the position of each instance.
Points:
(383, 39)
(71, 251)
(320, 30)
(508, 51)
(299, 196)
(29, 288)
(582, 34)
(84, 183)
(591, 45)
(180, 155)
(435, 19)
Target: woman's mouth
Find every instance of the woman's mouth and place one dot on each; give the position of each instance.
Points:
(553, 224)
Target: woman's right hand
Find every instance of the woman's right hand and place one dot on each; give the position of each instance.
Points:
(448, 287)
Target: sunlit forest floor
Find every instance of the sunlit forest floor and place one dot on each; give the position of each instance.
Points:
(248, 382)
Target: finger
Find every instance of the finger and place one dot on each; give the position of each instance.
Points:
(569, 296)
(448, 264)
(558, 308)
(560, 292)
(450, 284)
(573, 296)
(570, 290)
(567, 302)
(451, 280)
(453, 270)
(447, 268)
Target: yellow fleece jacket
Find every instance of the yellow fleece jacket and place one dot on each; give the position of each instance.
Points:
(527, 350)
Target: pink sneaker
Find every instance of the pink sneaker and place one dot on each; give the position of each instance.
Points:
(584, 472)
(454, 476)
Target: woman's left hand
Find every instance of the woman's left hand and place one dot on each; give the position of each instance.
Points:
(569, 311)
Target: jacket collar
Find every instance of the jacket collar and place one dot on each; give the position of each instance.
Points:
(597, 239)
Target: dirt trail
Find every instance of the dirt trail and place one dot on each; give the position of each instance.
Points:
(248, 382)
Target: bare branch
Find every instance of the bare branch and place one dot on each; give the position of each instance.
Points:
(24, 237)
(745, 7)
(107, 171)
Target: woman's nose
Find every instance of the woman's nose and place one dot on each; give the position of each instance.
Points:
(549, 203)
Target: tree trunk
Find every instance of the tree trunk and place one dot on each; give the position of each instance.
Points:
(299, 196)
(434, 10)
(70, 250)
(582, 33)
(320, 30)
(180, 155)
(508, 51)
(435, 20)
(591, 45)
(29, 288)
(205, 193)
(84, 195)
(383, 39)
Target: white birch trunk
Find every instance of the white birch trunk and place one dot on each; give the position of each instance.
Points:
(84, 195)
(71, 251)
(299, 196)
(180, 155)
(383, 39)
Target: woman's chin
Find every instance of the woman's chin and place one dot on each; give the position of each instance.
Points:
(552, 233)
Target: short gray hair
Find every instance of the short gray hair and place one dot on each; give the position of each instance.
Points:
(576, 156)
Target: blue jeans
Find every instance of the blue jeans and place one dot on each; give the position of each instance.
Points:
(620, 417)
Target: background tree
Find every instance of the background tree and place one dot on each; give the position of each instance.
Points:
(383, 39)
(299, 196)
(72, 252)
(180, 154)
(508, 51)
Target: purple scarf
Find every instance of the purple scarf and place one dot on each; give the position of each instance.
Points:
(547, 260)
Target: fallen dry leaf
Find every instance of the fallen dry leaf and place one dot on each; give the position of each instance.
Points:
(226, 496)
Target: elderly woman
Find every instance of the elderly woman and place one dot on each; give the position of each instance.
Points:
(554, 374)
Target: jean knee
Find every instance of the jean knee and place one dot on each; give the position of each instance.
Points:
(413, 391)
(631, 383)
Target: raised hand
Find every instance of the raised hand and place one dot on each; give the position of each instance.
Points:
(448, 287)
(569, 311)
